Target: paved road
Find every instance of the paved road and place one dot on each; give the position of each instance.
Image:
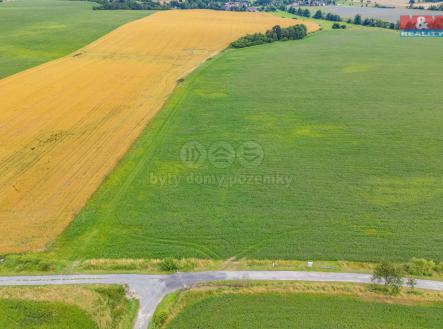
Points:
(150, 289)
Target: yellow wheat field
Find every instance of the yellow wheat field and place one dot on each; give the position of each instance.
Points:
(65, 124)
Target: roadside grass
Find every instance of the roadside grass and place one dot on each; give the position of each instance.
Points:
(41, 264)
(32, 264)
(347, 116)
(101, 307)
(36, 31)
(296, 304)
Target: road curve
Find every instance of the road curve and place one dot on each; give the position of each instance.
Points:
(151, 289)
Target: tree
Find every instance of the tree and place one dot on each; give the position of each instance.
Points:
(391, 275)
(411, 3)
(357, 19)
(306, 13)
(318, 14)
(277, 30)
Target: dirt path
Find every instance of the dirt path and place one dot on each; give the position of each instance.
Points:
(65, 124)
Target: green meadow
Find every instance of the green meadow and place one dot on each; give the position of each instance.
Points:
(36, 31)
(349, 123)
(302, 311)
(66, 307)
(19, 314)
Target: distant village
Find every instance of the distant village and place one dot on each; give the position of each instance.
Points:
(251, 6)
(314, 3)
(239, 6)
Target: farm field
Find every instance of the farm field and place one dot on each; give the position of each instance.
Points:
(299, 311)
(350, 128)
(36, 31)
(42, 315)
(65, 124)
(268, 305)
(66, 307)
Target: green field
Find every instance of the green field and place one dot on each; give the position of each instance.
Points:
(19, 314)
(66, 307)
(36, 31)
(350, 119)
(303, 311)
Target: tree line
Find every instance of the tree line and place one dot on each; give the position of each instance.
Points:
(129, 5)
(432, 7)
(277, 33)
(151, 5)
(374, 22)
(261, 5)
(358, 20)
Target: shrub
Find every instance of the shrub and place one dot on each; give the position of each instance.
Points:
(169, 265)
(420, 266)
(336, 26)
